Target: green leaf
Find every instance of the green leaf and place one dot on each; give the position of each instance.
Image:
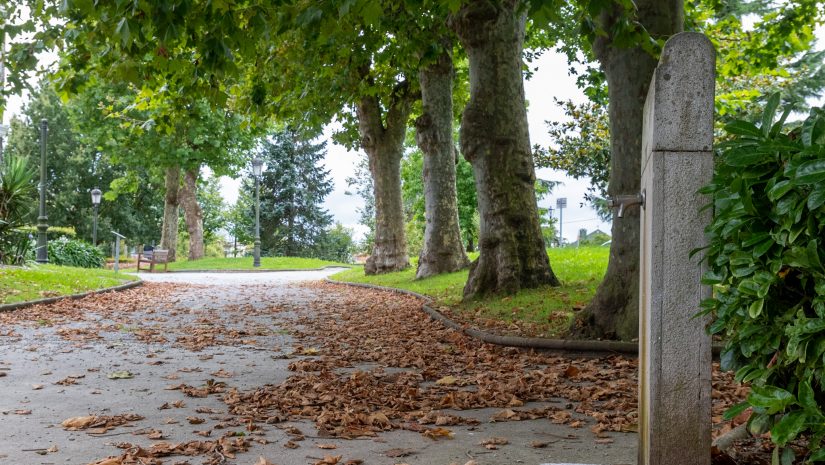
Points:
(755, 308)
(818, 456)
(806, 396)
(123, 31)
(748, 156)
(813, 255)
(712, 277)
(788, 427)
(788, 456)
(743, 128)
(773, 399)
(760, 423)
(372, 12)
(817, 197)
(811, 172)
(812, 129)
(735, 410)
(781, 188)
(779, 124)
(769, 113)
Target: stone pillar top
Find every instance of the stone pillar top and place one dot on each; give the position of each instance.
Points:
(683, 111)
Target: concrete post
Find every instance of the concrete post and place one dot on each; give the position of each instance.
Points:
(674, 349)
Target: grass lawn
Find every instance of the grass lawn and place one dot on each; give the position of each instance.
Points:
(546, 311)
(245, 263)
(40, 281)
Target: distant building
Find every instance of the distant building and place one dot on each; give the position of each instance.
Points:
(597, 237)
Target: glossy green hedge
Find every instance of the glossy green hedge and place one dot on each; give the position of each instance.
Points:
(766, 264)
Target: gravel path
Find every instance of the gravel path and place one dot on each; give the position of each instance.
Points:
(184, 341)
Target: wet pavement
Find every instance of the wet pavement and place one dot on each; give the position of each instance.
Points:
(200, 328)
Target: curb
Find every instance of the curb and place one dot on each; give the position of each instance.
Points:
(50, 300)
(254, 270)
(573, 345)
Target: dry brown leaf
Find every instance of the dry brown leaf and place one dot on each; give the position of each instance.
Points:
(79, 422)
(326, 446)
(394, 453)
(494, 441)
(329, 460)
(438, 433)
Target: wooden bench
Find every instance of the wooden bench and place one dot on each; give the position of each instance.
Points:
(153, 257)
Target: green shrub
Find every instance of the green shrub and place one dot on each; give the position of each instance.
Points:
(16, 192)
(766, 264)
(68, 252)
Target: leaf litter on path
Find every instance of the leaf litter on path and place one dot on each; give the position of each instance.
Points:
(366, 363)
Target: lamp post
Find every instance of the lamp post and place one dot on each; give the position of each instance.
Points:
(257, 169)
(4, 130)
(561, 204)
(42, 220)
(95, 203)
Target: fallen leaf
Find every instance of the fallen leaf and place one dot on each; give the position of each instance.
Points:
(436, 433)
(329, 460)
(393, 453)
(195, 420)
(37, 387)
(291, 445)
(263, 461)
(326, 446)
(121, 374)
(22, 412)
(447, 381)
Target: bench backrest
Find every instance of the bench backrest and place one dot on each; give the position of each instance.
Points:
(160, 255)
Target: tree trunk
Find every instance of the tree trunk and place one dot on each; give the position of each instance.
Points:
(442, 251)
(169, 229)
(192, 213)
(384, 148)
(614, 310)
(495, 139)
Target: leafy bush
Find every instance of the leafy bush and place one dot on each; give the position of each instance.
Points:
(16, 192)
(766, 264)
(68, 252)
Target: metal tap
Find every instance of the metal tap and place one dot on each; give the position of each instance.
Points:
(623, 201)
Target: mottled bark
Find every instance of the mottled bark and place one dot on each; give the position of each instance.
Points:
(192, 213)
(442, 251)
(495, 139)
(383, 143)
(614, 310)
(169, 229)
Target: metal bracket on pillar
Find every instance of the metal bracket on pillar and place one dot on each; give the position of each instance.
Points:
(623, 201)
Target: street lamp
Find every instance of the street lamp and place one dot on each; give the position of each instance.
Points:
(42, 255)
(95, 203)
(257, 169)
(561, 204)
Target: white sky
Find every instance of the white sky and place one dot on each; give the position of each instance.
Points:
(551, 80)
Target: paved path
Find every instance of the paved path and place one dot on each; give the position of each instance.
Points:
(235, 328)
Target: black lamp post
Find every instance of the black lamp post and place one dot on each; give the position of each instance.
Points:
(42, 255)
(95, 203)
(257, 169)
